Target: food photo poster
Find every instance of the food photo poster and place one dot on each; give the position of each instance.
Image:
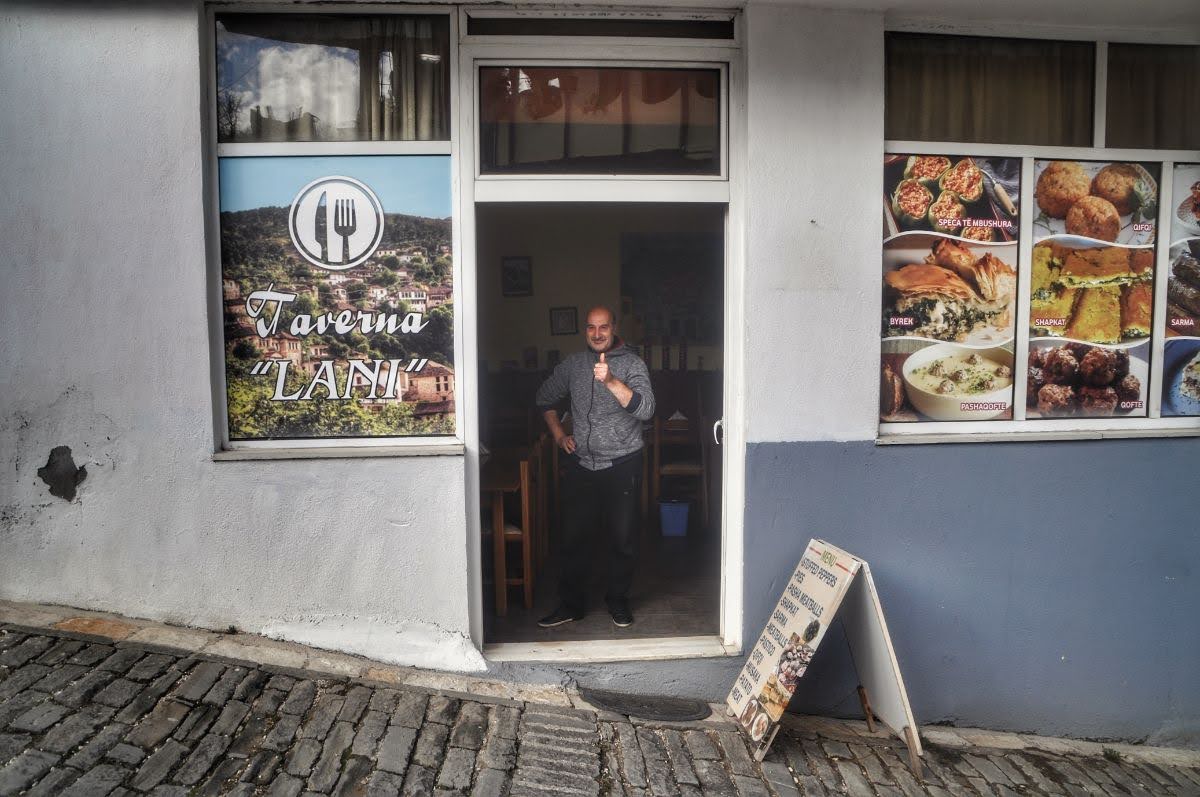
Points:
(1181, 348)
(1092, 288)
(951, 237)
(337, 289)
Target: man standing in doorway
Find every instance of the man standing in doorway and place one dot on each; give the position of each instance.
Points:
(611, 397)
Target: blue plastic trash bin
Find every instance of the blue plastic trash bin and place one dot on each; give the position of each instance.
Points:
(674, 517)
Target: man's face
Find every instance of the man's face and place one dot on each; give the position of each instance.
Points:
(600, 331)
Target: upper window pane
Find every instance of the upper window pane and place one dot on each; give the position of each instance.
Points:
(640, 28)
(988, 90)
(1153, 94)
(599, 120)
(302, 77)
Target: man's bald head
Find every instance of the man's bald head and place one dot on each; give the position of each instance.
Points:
(602, 308)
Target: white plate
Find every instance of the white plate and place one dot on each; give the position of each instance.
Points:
(1186, 217)
(1137, 366)
(914, 247)
(1083, 242)
(1175, 402)
(758, 728)
(1044, 226)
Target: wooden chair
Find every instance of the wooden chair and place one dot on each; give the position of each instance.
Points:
(503, 475)
(679, 450)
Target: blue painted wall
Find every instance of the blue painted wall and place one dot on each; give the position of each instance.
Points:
(1042, 587)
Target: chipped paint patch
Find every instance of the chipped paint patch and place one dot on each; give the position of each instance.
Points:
(60, 473)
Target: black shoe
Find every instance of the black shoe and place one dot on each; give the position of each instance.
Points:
(621, 615)
(560, 616)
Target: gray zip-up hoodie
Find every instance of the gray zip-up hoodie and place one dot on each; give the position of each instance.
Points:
(603, 429)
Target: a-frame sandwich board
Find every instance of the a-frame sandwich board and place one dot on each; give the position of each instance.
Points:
(827, 583)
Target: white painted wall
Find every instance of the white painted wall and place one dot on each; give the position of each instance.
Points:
(813, 236)
(105, 349)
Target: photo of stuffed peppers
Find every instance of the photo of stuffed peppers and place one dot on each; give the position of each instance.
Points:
(969, 197)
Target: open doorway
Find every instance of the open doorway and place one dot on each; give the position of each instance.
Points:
(660, 267)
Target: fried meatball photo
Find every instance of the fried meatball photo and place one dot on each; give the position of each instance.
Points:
(1078, 350)
(1129, 391)
(1121, 363)
(1060, 366)
(1061, 185)
(1094, 217)
(1056, 400)
(1098, 367)
(1115, 182)
(1037, 381)
(1097, 401)
(1037, 357)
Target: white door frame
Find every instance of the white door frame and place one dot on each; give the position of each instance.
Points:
(727, 188)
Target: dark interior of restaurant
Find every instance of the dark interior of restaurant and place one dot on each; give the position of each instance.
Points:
(660, 267)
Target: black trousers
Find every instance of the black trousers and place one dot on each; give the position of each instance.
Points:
(608, 499)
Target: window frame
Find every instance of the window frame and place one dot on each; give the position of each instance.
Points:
(729, 189)
(412, 445)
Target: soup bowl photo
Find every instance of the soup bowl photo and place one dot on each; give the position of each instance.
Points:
(959, 404)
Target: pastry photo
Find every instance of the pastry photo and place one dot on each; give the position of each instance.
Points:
(1091, 292)
(942, 288)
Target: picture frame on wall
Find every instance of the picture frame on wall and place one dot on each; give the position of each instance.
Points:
(564, 321)
(516, 276)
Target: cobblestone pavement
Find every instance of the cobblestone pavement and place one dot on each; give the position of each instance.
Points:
(84, 715)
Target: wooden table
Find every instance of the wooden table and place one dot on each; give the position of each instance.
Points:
(500, 475)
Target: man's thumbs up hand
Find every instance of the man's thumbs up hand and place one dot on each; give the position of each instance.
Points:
(600, 370)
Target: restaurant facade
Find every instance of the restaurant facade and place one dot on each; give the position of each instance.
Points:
(250, 315)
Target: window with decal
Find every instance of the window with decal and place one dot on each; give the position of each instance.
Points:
(337, 266)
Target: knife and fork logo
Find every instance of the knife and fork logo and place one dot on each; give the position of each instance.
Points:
(336, 222)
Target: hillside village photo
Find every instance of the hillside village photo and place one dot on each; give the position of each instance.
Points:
(362, 352)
